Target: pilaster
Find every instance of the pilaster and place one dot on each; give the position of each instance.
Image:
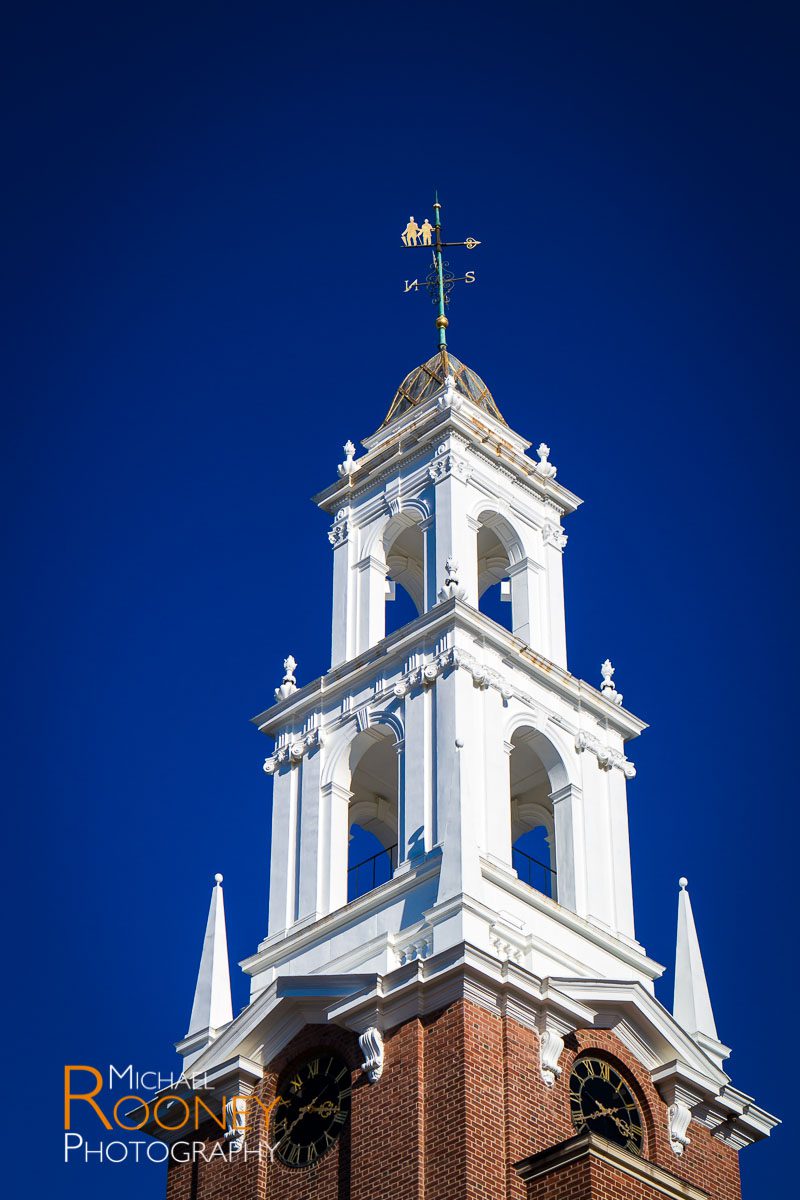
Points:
(283, 853)
(371, 575)
(416, 797)
(454, 533)
(571, 864)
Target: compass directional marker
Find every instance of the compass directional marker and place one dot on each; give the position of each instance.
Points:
(440, 282)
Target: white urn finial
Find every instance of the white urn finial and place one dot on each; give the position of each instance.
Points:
(450, 397)
(289, 683)
(607, 686)
(348, 466)
(544, 466)
(451, 590)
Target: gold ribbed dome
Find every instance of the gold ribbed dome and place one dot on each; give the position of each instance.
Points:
(425, 381)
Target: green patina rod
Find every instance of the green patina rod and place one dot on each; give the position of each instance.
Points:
(442, 322)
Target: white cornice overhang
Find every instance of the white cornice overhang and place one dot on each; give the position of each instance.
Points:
(665, 1042)
(357, 1001)
(679, 1066)
(451, 614)
(236, 1076)
(428, 424)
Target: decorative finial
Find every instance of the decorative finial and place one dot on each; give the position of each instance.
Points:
(218, 878)
(683, 883)
(289, 683)
(451, 589)
(450, 397)
(440, 281)
(544, 467)
(348, 466)
(607, 686)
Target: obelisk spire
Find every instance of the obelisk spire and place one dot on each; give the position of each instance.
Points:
(692, 1004)
(212, 1006)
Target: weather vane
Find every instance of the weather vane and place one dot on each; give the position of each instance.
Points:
(441, 281)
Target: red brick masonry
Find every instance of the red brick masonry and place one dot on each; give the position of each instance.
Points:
(462, 1113)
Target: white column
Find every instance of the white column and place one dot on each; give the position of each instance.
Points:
(313, 838)
(556, 620)
(621, 853)
(570, 864)
(458, 779)
(525, 617)
(600, 899)
(497, 781)
(428, 527)
(415, 794)
(343, 619)
(283, 854)
(371, 602)
(334, 853)
(455, 536)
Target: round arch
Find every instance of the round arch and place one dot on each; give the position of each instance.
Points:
(558, 758)
(537, 770)
(338, 766)
(383, 531)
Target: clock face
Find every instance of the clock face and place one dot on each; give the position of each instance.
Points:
(312, 1108)
(602, 1103)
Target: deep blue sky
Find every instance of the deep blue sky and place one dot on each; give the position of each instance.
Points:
(202, 209)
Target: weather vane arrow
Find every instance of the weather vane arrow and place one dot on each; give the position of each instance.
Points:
(441, 281)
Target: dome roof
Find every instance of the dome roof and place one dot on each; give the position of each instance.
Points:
(425, 381)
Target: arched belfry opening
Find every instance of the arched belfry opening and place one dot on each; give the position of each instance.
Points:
(373, 813)
(533, 846)
(498, 547)
(404, 552)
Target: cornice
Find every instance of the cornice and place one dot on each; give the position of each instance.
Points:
(434, 423)
(551, 1006)
(616, 997)
(449, 615)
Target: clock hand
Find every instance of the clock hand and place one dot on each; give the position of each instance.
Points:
(307, 1108)
(326, 1109)
(623, 1126)
(602, 1111)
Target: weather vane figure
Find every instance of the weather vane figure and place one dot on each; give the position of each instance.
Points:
(440, 282)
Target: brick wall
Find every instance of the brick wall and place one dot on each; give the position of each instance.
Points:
(460, 1102)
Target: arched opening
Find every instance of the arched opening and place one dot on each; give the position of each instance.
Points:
(533, 846)
(404, 550)
(497, 548)
(373, 811)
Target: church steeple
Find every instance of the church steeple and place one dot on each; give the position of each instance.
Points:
(450, 892)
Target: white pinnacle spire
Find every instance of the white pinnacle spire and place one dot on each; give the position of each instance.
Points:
(212, 1006)
(692, 1004)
